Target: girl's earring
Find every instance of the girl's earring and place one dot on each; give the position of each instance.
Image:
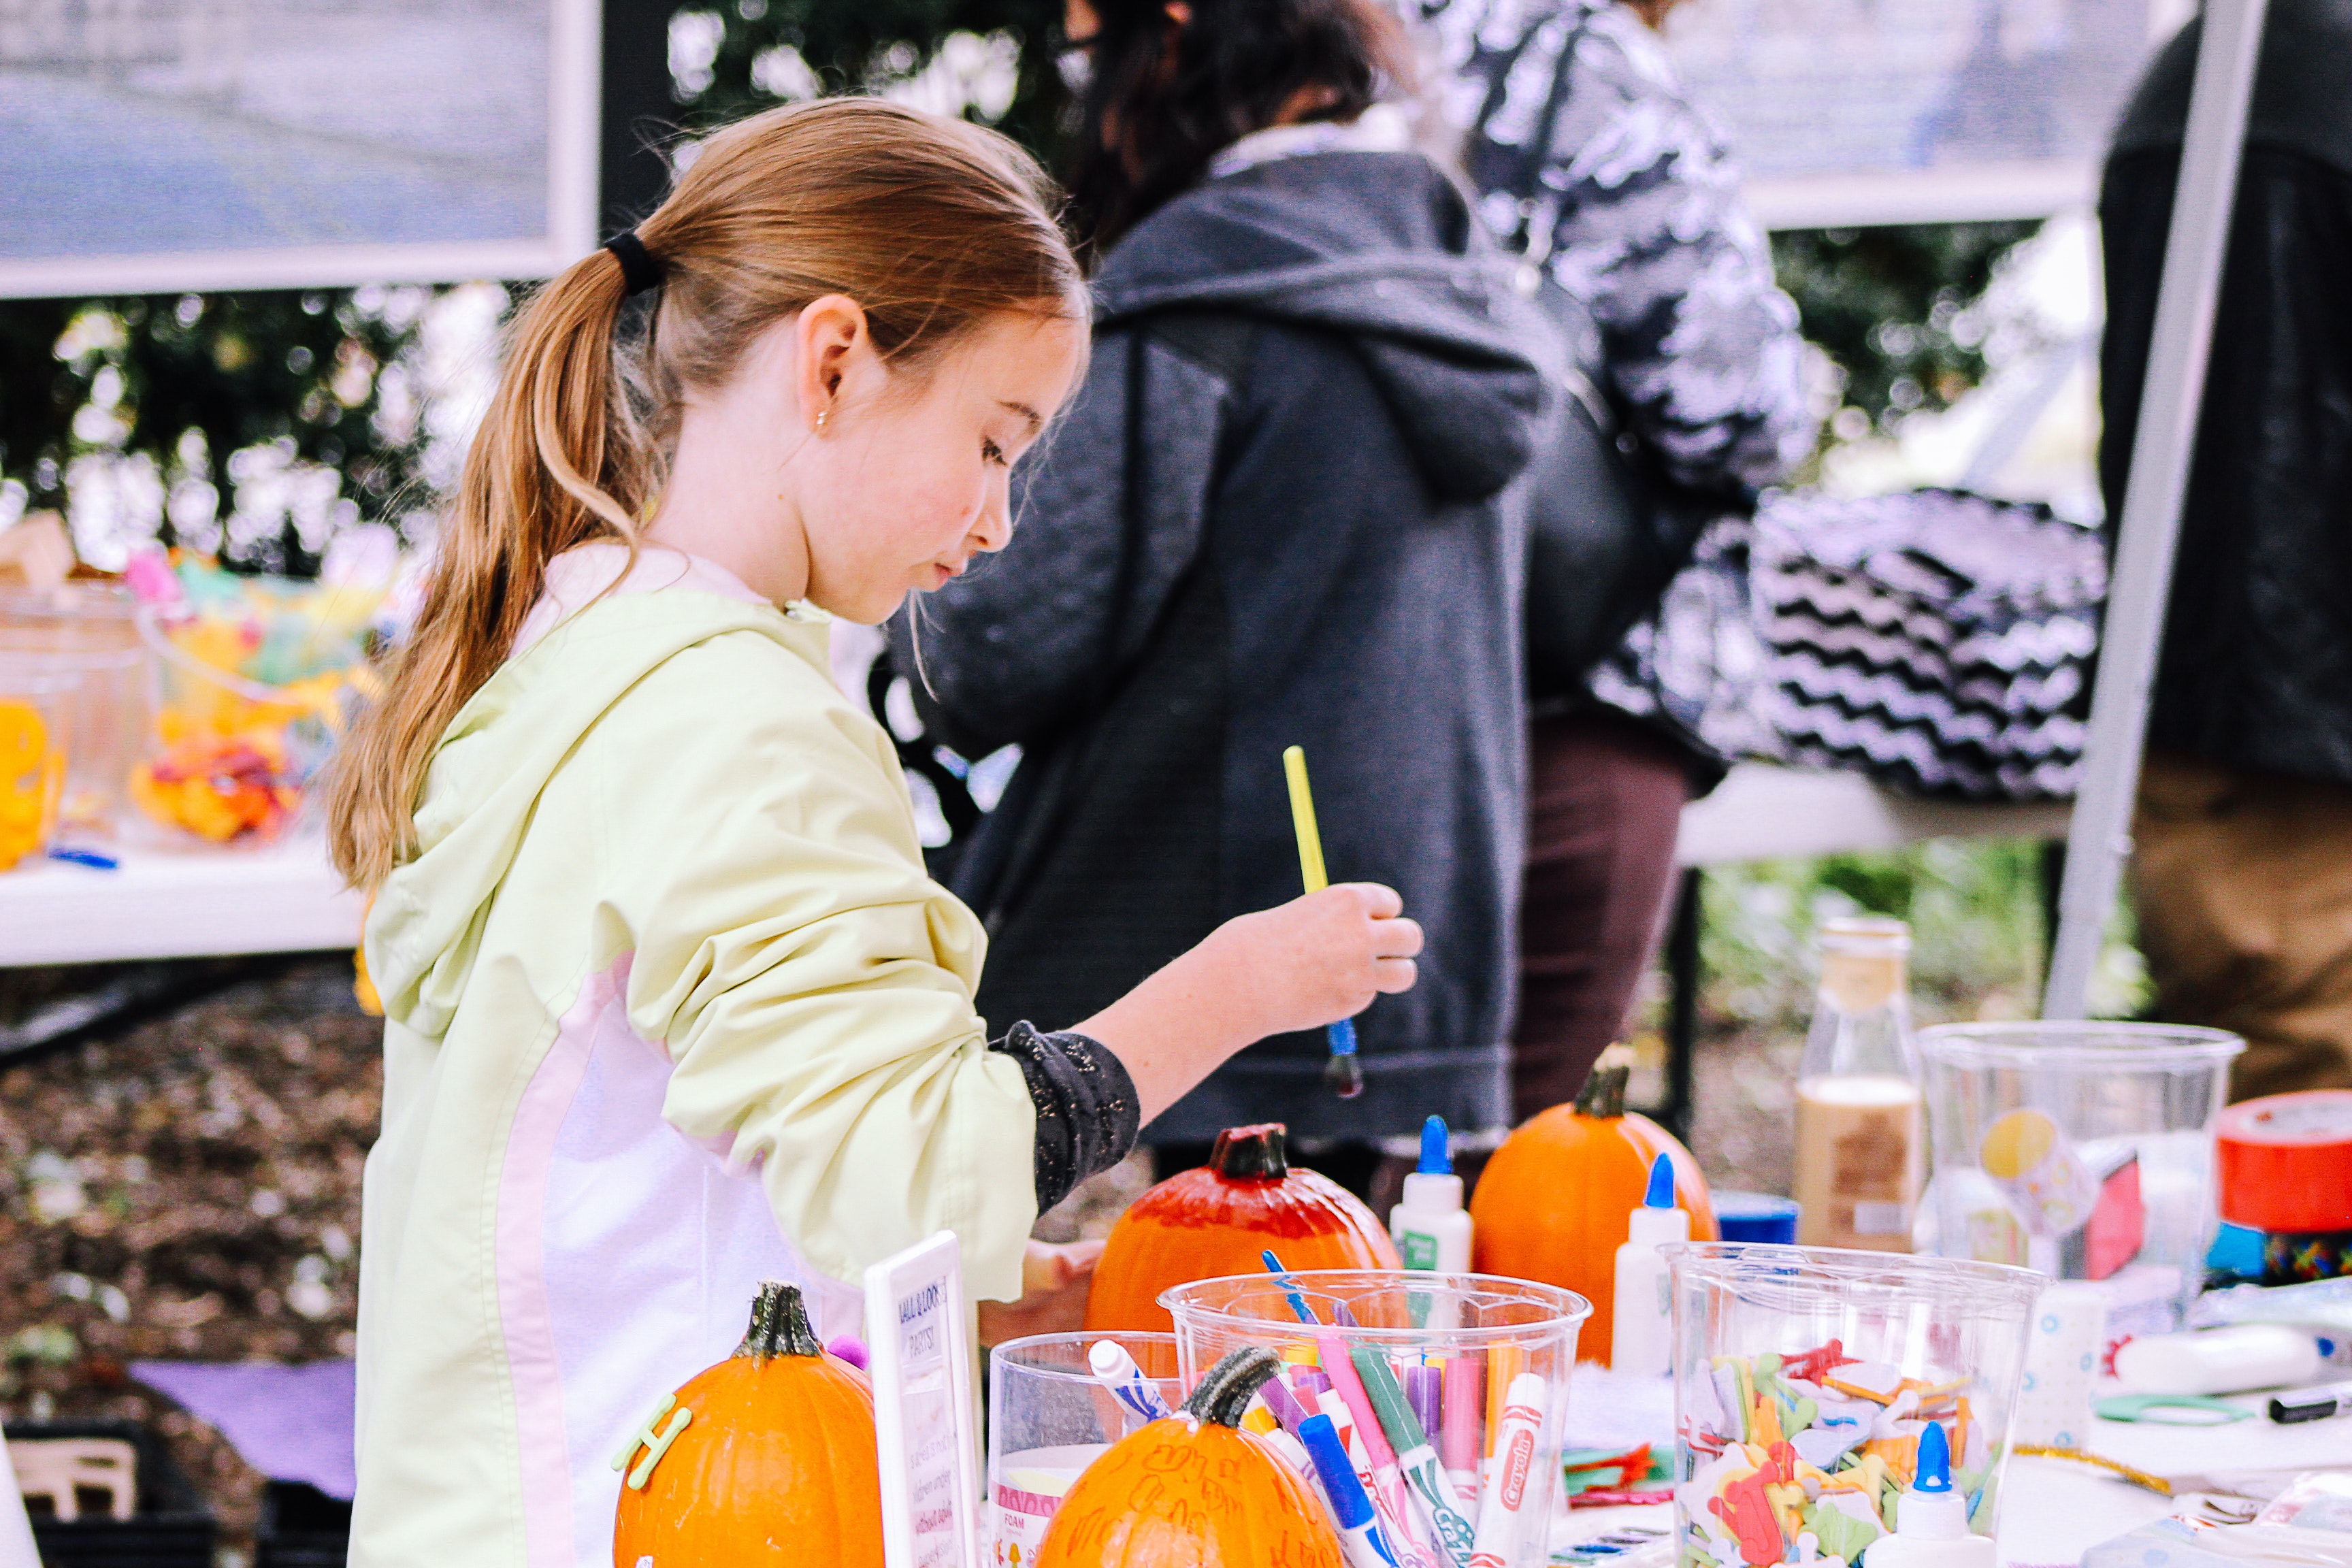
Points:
(822, 415)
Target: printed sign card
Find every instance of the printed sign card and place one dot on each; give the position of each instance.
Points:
(916, 1333)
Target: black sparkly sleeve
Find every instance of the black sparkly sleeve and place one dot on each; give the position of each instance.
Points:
(1087, 1112)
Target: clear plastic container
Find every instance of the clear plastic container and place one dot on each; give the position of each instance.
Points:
(36, 713)
(87, 631)
(1481, 1363)
(229, 757)
(2085, 1150)
(1049, 1417)
(1803, 1377)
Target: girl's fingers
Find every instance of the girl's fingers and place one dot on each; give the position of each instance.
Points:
(1394, 974)
(1378, 901)
(1396, 938)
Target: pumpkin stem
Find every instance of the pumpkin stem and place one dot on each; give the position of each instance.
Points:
(779, 1324)
(1223, 1395)
(1251, 1153)
(1604, 1092)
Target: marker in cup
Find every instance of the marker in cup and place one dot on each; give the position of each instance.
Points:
(1116, 1370)
(1508, 1485)
(1361, 1536)
(1416, 1458)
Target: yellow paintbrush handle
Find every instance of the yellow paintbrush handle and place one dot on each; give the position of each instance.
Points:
(1302, 818)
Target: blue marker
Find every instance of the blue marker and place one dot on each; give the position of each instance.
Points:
(1282, 1278)
(1116, 1370)
(1360, 1530)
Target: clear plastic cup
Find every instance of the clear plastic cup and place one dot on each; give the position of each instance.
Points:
(1482, 1363)
(1048, 1419)
(1803, 1377)
(37, 707)
(2085, 1150)
(87, 630)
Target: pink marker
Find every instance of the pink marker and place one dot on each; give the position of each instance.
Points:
(1387, 1482)
(1464, 1402)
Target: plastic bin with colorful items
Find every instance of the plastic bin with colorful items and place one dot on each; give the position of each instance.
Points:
(255, 679)
(1804, 1378)
(73, 707)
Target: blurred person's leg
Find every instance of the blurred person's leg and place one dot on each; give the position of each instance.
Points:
(2244, 884)
(1605, 799)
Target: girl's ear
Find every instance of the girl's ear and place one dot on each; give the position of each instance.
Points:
(832, 340)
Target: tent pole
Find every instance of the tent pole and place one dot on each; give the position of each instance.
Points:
(2100, 835)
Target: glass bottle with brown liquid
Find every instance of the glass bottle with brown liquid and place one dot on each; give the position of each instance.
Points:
(1861, 1138)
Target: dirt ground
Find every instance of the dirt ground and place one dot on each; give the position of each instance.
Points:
(186, 1187)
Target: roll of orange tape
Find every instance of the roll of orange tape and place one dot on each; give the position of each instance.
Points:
(2286, 1161)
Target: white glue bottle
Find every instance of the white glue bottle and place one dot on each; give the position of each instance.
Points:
(1931, 1518)
(1430, 1228)
(1641, 1343)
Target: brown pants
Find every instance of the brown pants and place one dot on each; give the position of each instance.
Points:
(1605, 798)
(2244, 888)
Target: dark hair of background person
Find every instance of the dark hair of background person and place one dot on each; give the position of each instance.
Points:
(1166, 94)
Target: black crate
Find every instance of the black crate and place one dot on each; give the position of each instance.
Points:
(301, 1527)
(171, 1530)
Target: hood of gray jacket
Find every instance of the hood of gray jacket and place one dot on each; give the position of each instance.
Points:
(1381, 249)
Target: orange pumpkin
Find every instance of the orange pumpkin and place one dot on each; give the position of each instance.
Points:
(768, 1457)
(1193, 1489)
(1553, 1202)
(1216, 1220)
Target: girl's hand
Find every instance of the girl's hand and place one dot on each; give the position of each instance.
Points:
(1313, 961)
(1301, 965)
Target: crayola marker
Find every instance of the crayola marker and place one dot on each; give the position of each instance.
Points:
(1359, 1531)
(1515, 1457)
(1416, 1458)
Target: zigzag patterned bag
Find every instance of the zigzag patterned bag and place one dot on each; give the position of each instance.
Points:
(1936, 640)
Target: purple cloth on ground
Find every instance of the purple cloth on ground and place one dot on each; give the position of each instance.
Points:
(291, 1423)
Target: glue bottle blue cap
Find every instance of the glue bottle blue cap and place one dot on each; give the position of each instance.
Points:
(1660, 1195)
(1436, 1149)
(1935, 1474)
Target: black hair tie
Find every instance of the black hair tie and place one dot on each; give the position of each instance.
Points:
(639, 271)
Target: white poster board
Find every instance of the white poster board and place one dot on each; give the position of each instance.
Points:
(917, 1337)
(1871, 112)
(160, 145)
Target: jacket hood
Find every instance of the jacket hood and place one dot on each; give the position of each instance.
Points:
(1379, 247)
(498, 757)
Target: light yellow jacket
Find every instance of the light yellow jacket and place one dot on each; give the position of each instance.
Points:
(670, 1007)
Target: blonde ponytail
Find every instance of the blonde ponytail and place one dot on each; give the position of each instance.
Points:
(932, 224)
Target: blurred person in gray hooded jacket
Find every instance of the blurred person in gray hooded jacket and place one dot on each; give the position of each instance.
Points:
(1281, 511)
(1632, 202)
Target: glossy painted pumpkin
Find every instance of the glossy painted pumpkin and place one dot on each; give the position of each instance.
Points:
(1194, 1490)
(1208, 1223)
(1554, 1202)
(775, 1464)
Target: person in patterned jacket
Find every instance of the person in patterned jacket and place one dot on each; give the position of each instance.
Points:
(1632, 202)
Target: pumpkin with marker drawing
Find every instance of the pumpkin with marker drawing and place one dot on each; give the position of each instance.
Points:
(1192, 1490)
(768, 1457)
(1217, 1220)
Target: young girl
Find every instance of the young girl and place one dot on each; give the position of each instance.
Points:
(670, 1006)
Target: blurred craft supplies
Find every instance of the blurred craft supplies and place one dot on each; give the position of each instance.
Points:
(1344, 1073)
(258, 675)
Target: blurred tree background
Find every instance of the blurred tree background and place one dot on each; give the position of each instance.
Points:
(262, 425)
(259, 426)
